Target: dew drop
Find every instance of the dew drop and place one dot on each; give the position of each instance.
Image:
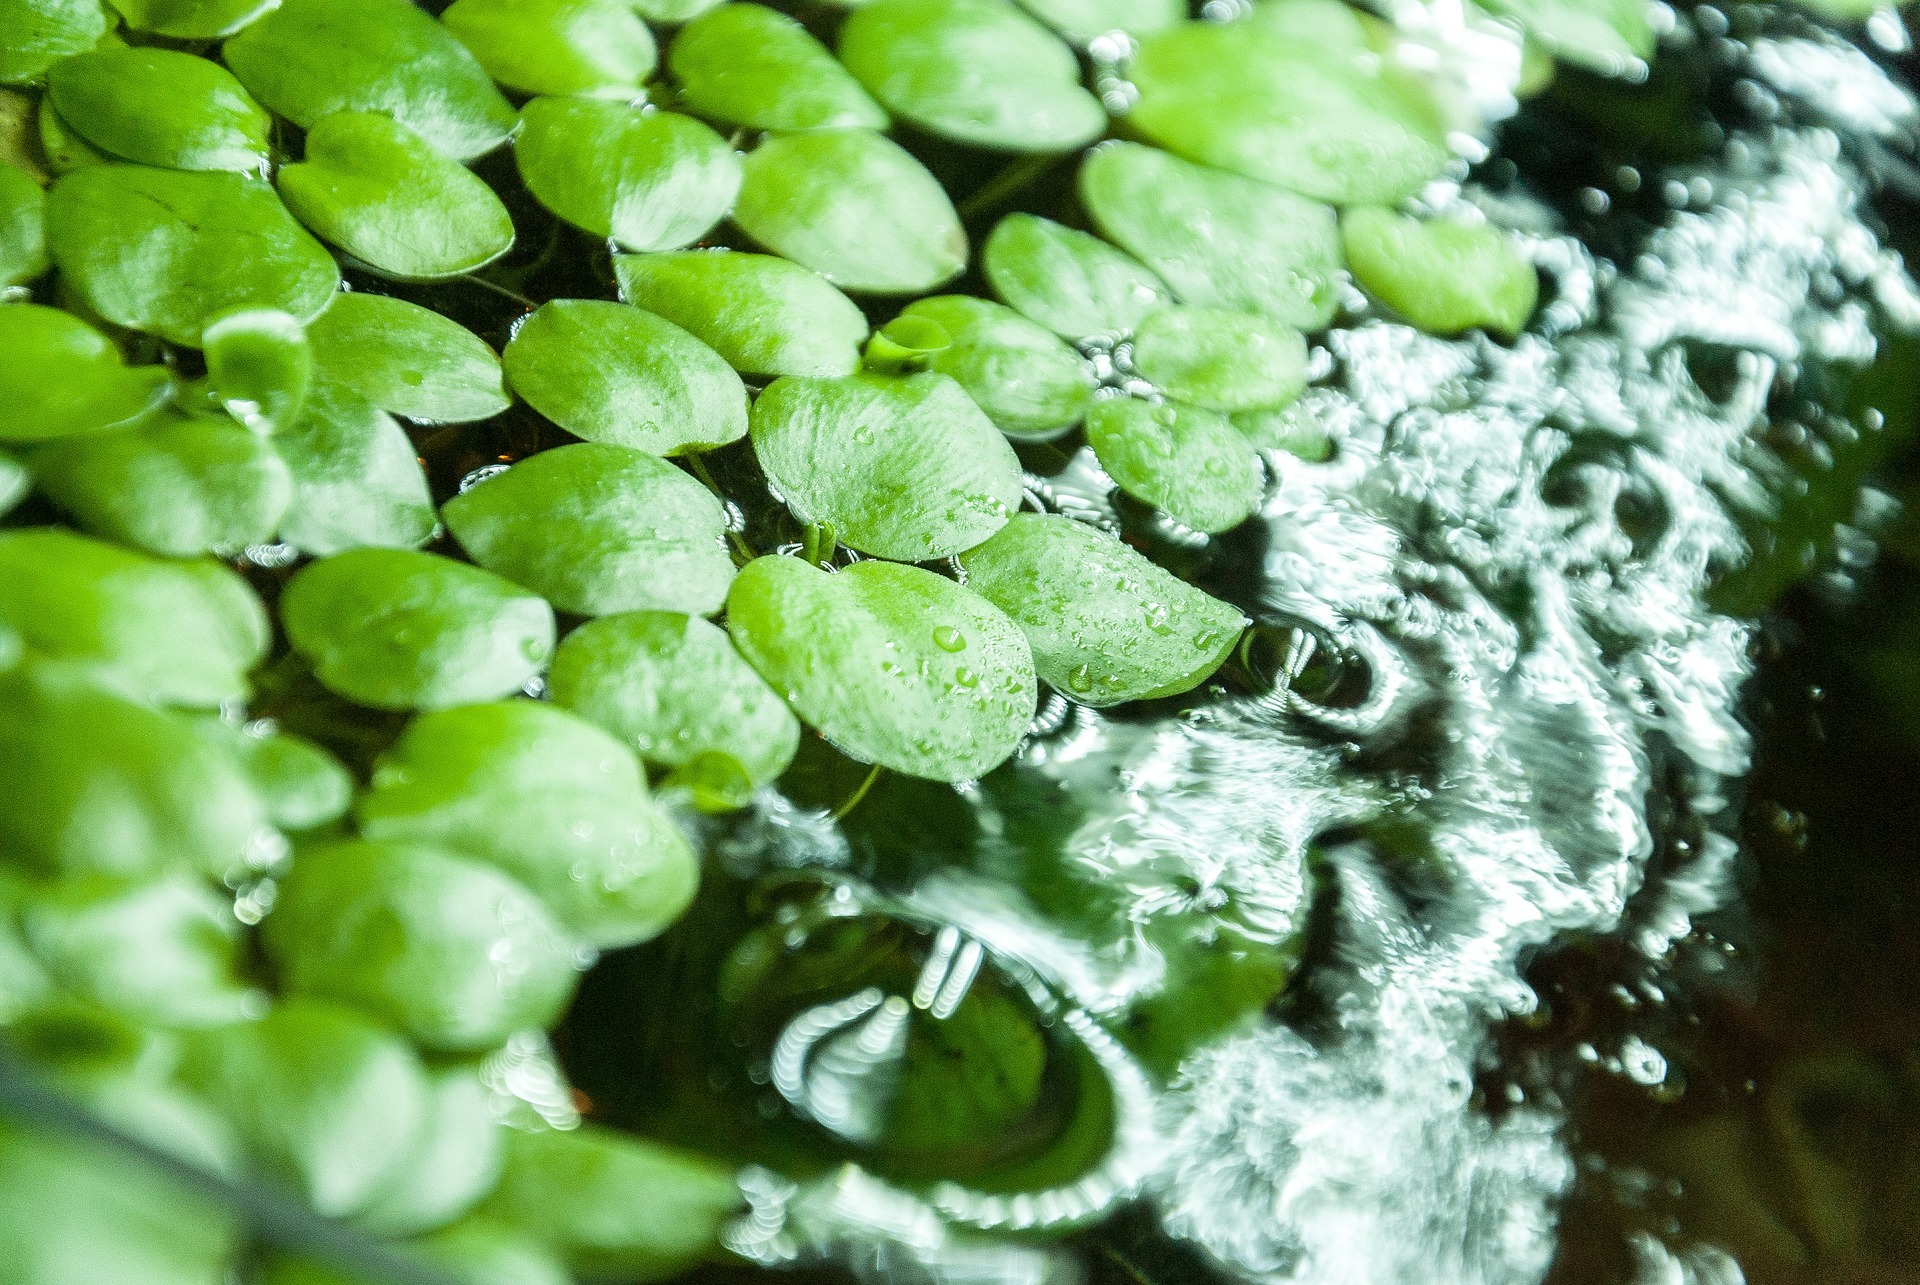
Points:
(1081, 679)
(947, 638)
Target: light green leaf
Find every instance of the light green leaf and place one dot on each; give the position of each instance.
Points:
(301, 784)
(159, 107)
(596, 528)
(356, 480)
(610, 372)
(1074, 284)
(310, 58)
(63, 377)
(484, 1253)
(1221, 359)
(903, 467)
(893, 664)
(650, 180)
(673, 11)
(15, 482)
(1030, 383)
(1191, 463)
(35, 34)
(261, 366)
(1325, 25)
(23, 227)
(749, 65)
(854, 207)
(1082, 20)
(191, 19)
(1220, 240)
(1294, 428)
(1612, 37)
(557, 46)
(1443, 276)
(764, 315)
(455, 1162)
(407, 360)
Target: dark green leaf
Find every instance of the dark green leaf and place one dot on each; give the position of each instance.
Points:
(407, 360)
(35, 34)
(261, 366)
(766, 316)
(1189, 462)
(1030, 383)
(746, 64)
(1221, 359)
(23, 227)
(1074, 284)
(356, 480)
(557, 46)
(159, 107)
(1443, 276)
(64, 149)
(63, 377)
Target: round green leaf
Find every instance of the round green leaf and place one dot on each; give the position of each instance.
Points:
(1294, 428)
(356, 480)
(1106, 625)
(1443, 276)
(674, 688)
(1219, 240)
(453, 953)
(1221, 359)
(1324, 123)
(903, 467)
(64, 149)
(159, 107)
(1074, 284)
(893, 664)
(1320, 24)
(260, 365)
(764, 315)
(650, 180)
(398, 629)
(23, 227)
(556, 46)
(35, 34)
(594, 528)
(976, 71)
(854, 207)
(749, 65)
(1082, 20)
(63, 377)
(455, 1162)
(301, 784)
(172, 484)
(1191, 463)
(1612, 37)
(550, 799)
(673, 11)
(610, 372)
(191, 19)
(1030, 383)
(376, 189)
(310, 58)
(407, 360)
(483, 1252)
(167, 251)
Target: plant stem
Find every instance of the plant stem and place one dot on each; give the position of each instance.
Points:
(853, 800)
(1017, 175)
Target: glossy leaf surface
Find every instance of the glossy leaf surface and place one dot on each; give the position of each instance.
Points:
(260, 365)
(1189, 462)
(556, 46)
(1221, 359)
(764, 315)
(407, 360)
(35, 34)
(1443, 276)
(1027, 380)
(23, 227)
(160, 107)
(749, 65)
(356, 480)
(1074, 284)
(64, 377)
(191, 19)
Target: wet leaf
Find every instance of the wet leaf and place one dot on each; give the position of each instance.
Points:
(23, 227)
(398, 629)
(650, 180)
(1221, 359)
(976, 71)
(856, 208)
(749, 65)
(310, 58)
(1082, 20)
(191, 19)
(261, 366)
(1294, 428)
(407, 360)
(556, 46)
(64, 377)
(356, 480)
(893, 664)
(902, 467)
(1106, 625)
(1443, 276)
(167, 251)
(1612, 37)
(301, 784)
(1191, 463)
(159, 107)
(35, 34)
(610, 372)
(764, 315)
(1074, 284)
(1029, 382)
(596, 528)
(1219, 240)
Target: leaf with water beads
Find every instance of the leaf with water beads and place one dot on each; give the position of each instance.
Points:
(399, 629)
(855, 207)
(902, 467)
(1027, 380)
(1221, 359)
(260, 366)
(610, 372)
(557, 46)
(1083, 20)
(23, 227)
(356, 480)
(979, 72)
(191, 19)
(63, 377)
(1074, 284)
(1106, 625)
(35, 34)
(893, 664)
(1190, 463)
(1612, 37)
(159, 107)
(310, 58)
(595, 528)
(1219, 240)
(407, 360)
(649, 180)
(749, 65)
(1443, 276)
(764, 315)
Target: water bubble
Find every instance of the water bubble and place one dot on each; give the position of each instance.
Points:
(947, 638)
(1080, 679)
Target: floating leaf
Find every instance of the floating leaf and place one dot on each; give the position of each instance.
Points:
(159, 107)
(1612, 37)
(556, 46)
(1082, 20)
(1189, 462)
(407, 360)
(1221, 359)
(764, 315)
(1220, 240)
(1074, 284)
(903, 467)
(15, 482)
(893, 664)
(455, 1162)
(356, 480)
(64, 149)
(1105, 624)
(191, 19)
(260, 365)
(398, 629)
(976, 71)
(23, 227)
(650, 180)
(673, 11)
(749, 65)
(610, 372)
(1316, 24)
(1443, 276)
(1294, 428)
(310, 58)
(167, 251)
(481, 1251)
(1030, 384)
(854, 207)
(35, 34)
(301, 784)
(594, 528)
(63, 377)
(674, 688)
(550, 799)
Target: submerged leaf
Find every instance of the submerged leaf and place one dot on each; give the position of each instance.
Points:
(1443, 276)
(159, 107)
(1074, 284)
(1189, 462)
(356, 480)
(1027, 380)
(765, 315)
(407, 360)
(1220, 359)
(556, 46)
(749, 65)
(63, 377)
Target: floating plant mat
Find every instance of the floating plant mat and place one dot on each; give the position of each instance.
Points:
(940, 639)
